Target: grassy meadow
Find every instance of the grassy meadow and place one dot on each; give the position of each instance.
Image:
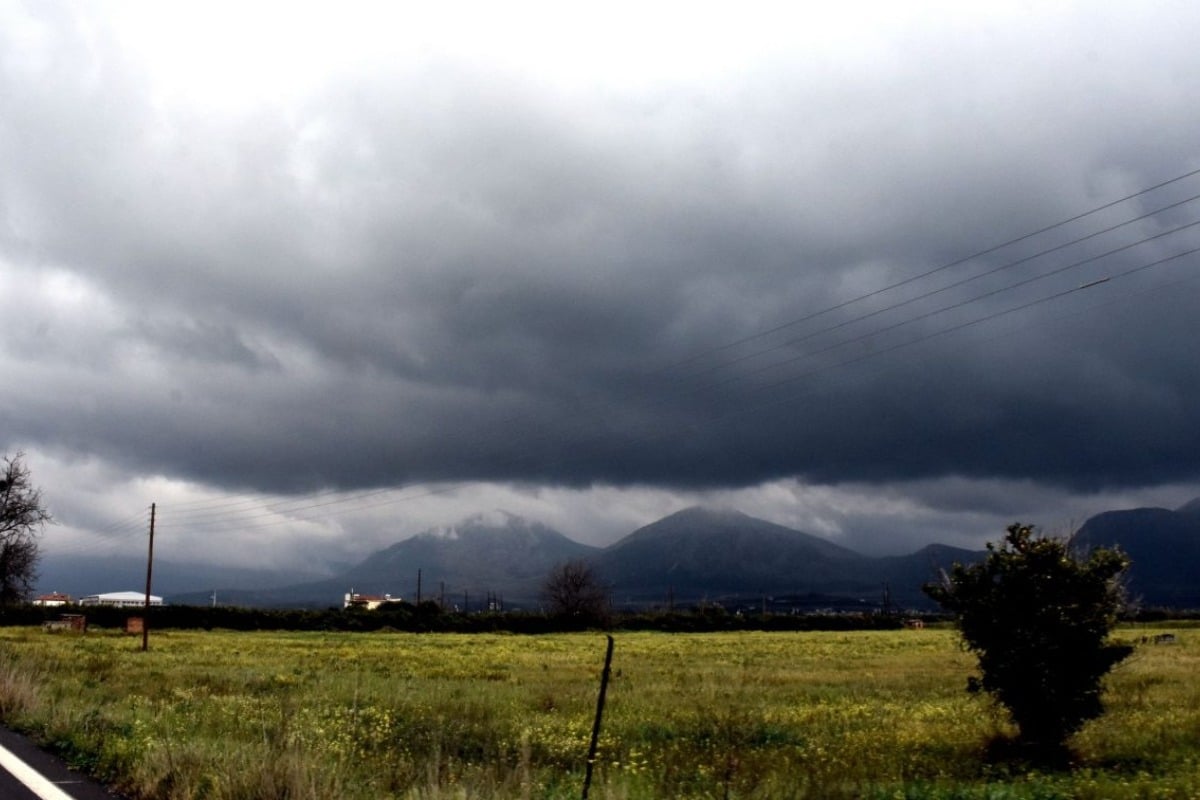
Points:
(874, 714)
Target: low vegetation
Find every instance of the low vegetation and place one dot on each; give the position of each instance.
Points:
(878, 714)
(430, 618)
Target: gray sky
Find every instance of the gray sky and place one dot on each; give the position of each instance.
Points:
(314, 278)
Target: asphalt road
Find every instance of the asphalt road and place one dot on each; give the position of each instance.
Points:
(72, 784)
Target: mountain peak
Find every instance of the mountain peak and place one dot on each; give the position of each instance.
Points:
(485, 521)
(495, 551)
(707, 513)
(496, 518)
(1163, 545)
(716, 524)
(1190, 507)
(701, 550)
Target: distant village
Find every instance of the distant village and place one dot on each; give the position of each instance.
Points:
(111, 599)
(352, 599)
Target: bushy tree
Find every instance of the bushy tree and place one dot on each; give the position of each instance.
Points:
(22, 517)
(1038, 617)
(573, 590)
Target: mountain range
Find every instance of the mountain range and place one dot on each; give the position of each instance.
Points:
(1163, 545)
(695, 555)
(702, 554)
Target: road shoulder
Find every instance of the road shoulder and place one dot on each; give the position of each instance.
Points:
(51, 767)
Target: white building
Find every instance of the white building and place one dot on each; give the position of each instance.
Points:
(120, 600)
(368, 601)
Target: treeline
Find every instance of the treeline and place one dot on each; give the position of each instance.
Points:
(430, 617)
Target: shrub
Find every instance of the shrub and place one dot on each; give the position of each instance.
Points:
(1038, 618)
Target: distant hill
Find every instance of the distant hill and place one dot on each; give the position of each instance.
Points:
(496, 554)
(1191, 508)
(699, 553)
(79, 576)
(905, 575)
(694, 555)
(499, 553)
(1164, 546)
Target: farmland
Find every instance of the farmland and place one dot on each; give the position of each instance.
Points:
(878, 714)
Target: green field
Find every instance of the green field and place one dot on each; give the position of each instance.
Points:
(772, 715)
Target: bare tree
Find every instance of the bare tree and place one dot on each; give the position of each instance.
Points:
(22, 517)
(573, 590)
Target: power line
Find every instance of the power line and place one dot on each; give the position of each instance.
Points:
(545, 436)
(746, 407)
(974, 299)
(215, 511)
(990, 317)
(708, 386)
(239, 521)
(548, 436)
(958, 262)
(259, 506)
(111, 537)
(962, 282)
(293, 517)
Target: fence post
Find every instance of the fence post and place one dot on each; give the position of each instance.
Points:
(591, 757)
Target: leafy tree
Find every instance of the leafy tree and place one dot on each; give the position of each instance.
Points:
(574, 591)
(1038, 616)
(22, 516)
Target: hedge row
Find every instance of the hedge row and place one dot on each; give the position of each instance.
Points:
(429, 617)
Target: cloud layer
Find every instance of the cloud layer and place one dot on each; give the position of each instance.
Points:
(295, 257)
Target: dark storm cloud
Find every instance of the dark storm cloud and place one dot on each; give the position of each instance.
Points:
(445, 274)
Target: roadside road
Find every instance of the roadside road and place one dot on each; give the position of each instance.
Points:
(28, 773)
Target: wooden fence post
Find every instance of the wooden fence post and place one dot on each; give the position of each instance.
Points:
(591, 757)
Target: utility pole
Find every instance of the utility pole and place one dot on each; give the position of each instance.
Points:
(418, 587)
(149, 572)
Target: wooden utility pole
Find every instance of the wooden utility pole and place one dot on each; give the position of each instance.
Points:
(418, 587)
(149, 573)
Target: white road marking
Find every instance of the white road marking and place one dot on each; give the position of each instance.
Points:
(32, 779)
